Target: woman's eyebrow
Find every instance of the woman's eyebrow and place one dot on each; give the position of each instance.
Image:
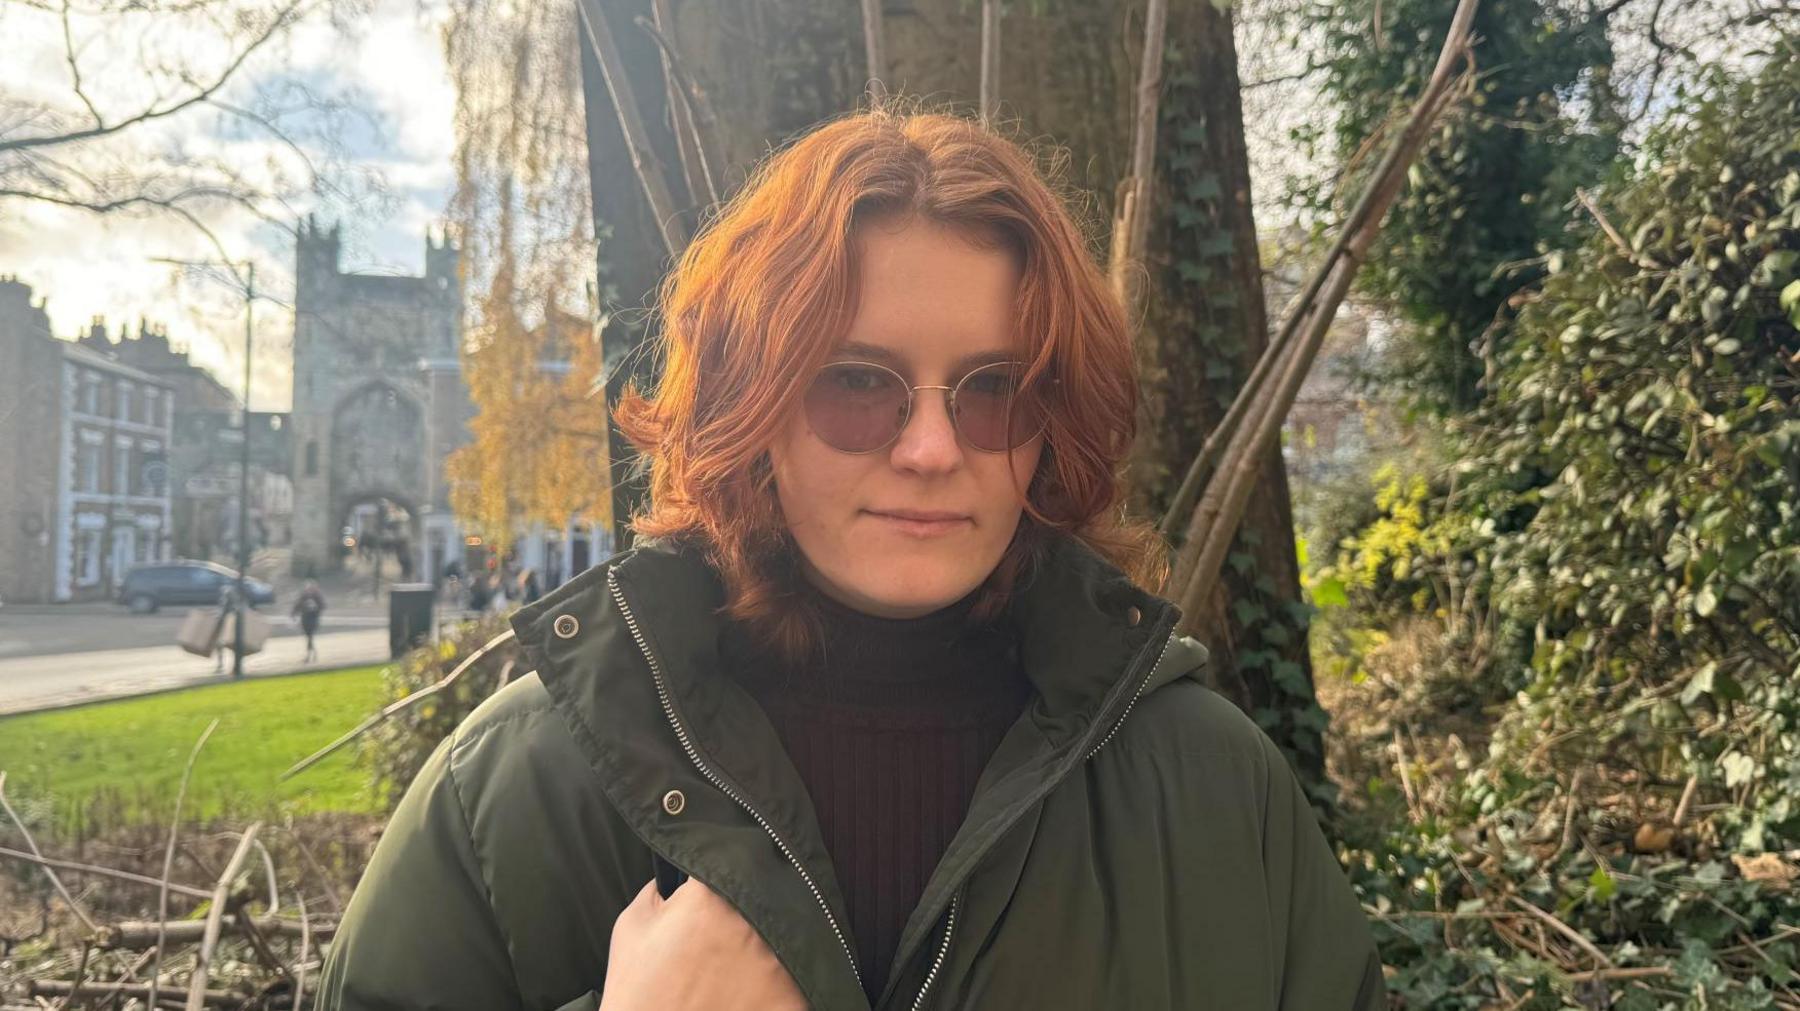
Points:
(875, 353)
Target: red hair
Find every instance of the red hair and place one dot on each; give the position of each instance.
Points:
(762, 296)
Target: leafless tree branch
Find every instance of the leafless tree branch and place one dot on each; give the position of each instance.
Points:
(75, 65)
(283, 19)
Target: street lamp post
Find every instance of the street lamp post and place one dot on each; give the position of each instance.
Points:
(243, 520)
(243, 545)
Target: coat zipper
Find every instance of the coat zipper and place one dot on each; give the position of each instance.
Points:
(687, 745)
(1134, 698)
(937, 963)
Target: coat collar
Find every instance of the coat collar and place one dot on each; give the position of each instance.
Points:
(629, 652)
(1076, 614)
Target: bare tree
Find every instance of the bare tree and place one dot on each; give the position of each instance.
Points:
(160, 97)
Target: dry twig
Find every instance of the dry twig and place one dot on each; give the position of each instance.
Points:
(196, 998)
(392, 708)
(80, 914)
(162, 903)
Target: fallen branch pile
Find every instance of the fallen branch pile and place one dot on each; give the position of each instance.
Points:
(247, 942)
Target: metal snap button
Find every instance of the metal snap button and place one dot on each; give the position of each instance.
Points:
(674, 802)
(565, 626)
(1133, 616)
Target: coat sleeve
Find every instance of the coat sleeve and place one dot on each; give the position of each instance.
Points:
(420, 933)
(1330, 959)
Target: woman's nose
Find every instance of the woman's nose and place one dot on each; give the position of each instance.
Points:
(928, 443)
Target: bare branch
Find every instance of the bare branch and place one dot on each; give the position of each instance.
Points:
(58, 988)
(31, 843)
(75, 65)
(1298, 75)
(1287, 359)
(684, 97)
(875, 50)
(143, 934)
(990, 59)
(1587, 201)
(105, 872)
(168, 204)
(392, 708)
(1131, 220)
(631, 123)
(100, 129)
(300, 963)
(196, 998)
(162, 904)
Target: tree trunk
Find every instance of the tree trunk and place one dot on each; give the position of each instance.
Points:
(630, 257)
(1206, 324)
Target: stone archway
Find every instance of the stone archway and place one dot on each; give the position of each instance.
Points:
(379, 540)
(377, 456)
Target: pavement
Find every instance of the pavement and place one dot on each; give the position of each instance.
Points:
(55, 655)
(43, 629)
(66, 654)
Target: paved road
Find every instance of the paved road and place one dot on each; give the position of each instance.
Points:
(43, 629)
(44, 680)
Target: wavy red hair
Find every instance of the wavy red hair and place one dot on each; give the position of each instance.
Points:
(763, 295)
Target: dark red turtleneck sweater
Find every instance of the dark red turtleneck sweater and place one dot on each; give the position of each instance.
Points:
(889, 732)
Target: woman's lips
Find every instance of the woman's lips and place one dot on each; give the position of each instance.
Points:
(921, 524)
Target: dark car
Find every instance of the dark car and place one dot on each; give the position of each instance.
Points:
(148, 587)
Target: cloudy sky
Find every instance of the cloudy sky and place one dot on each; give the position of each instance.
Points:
(367, 100)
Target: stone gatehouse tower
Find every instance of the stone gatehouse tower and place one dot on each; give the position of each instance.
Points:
(379, 401)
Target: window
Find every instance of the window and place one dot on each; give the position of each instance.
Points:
(122, 468)
(87, 558)
(124, 399)
(153, 468)
(87, 462)
(153, 406)
(312, 457)
(90, 393)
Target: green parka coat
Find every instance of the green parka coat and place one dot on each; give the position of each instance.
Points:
(1134, 843)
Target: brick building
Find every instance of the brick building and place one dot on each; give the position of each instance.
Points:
(207, 448)
(84, 445)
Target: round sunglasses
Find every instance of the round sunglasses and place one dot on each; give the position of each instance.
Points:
(862, 407)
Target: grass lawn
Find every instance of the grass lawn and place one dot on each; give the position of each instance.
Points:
(119, 763)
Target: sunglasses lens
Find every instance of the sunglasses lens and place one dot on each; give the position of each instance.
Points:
(856, 408)
(995, 410)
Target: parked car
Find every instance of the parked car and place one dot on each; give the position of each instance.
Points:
(148, 587)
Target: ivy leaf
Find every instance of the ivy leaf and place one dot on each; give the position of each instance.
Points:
(1700, 684)
(1204, 187)
(1739, 768)
(1602, 885)
(1776, 268)
(1790, 302)
(1706, 602)
(1290, 678)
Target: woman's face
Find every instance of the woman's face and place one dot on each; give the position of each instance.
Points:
(932, 305)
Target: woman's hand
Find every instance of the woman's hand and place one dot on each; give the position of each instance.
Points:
(692, 952)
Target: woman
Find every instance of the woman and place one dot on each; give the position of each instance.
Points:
(309, 607)
(877, 674)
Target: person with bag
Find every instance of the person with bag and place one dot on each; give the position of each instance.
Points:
(224, 638)
(881, 709)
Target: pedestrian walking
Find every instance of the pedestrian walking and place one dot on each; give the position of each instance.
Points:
(228, 613)
(527, 588)
(309, 607)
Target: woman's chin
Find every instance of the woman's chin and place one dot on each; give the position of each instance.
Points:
(896, 588)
